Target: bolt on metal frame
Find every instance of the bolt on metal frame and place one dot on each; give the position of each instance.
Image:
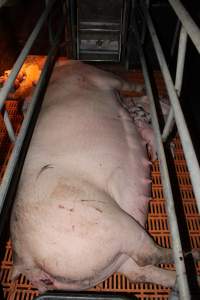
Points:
(20, 138)
(188, 27)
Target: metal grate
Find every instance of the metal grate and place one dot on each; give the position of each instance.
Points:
(157, 220)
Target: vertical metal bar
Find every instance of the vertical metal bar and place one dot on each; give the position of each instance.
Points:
(188, 23)
(49, 26)
(65, 8)
(72, 4)
(19, 62)
(144, 26)
(9, 127)
(186, 141)
(181, 60)
(178, 80)
(129, 31)
(77, 33)
(175, 37)
(176, 242)
(120, 34)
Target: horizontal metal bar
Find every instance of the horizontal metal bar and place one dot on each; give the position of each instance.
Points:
(111, 52)
(186, 141)
(178, 80)
(100, 23)
(9, 127)
(98, 30)
(21, 58)
(5, 184)
(176, 242)
(100, 60)
(187, 21)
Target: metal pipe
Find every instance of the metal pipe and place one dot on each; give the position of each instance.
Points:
(19, 62)
(178, 80)
(5, 184)
(65, 8)
(73, 27)
(49, 25)
(77, 34)
(144, 26)
(188, 23)
(186, 141)
(178, 26)
(176, 242)
(9, 127)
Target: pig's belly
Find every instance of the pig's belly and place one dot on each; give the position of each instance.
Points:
(94, 139)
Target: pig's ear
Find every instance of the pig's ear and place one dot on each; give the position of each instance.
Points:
(15, 272)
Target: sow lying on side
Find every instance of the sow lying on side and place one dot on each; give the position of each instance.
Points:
(82, 200)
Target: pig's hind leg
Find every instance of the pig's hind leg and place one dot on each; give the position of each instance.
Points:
(144, 254)
(147, 273)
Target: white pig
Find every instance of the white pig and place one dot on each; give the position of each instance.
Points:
(83, 196)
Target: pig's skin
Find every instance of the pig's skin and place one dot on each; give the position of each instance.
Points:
(82, 200)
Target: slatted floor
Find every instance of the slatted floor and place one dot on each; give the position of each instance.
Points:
(156, 225)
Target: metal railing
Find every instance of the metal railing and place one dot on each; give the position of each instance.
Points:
(18, 140)
(188, 27)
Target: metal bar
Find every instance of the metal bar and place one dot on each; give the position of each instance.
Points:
(99, 30)
(120, 37)
(73, 27)
(175, 37)
(144, 27)
(186, 141)
(77, 34)
(19, 62)
(9, 127)
(83, 51)
(49, 25)
(25, 125)
(65, 8)
(176, 242)
(104, 24)
(188, 23)
(181, 60)
(178, 80)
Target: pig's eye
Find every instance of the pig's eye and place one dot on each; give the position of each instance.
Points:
(46, 281)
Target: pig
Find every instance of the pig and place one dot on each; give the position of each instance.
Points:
(82, 200)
